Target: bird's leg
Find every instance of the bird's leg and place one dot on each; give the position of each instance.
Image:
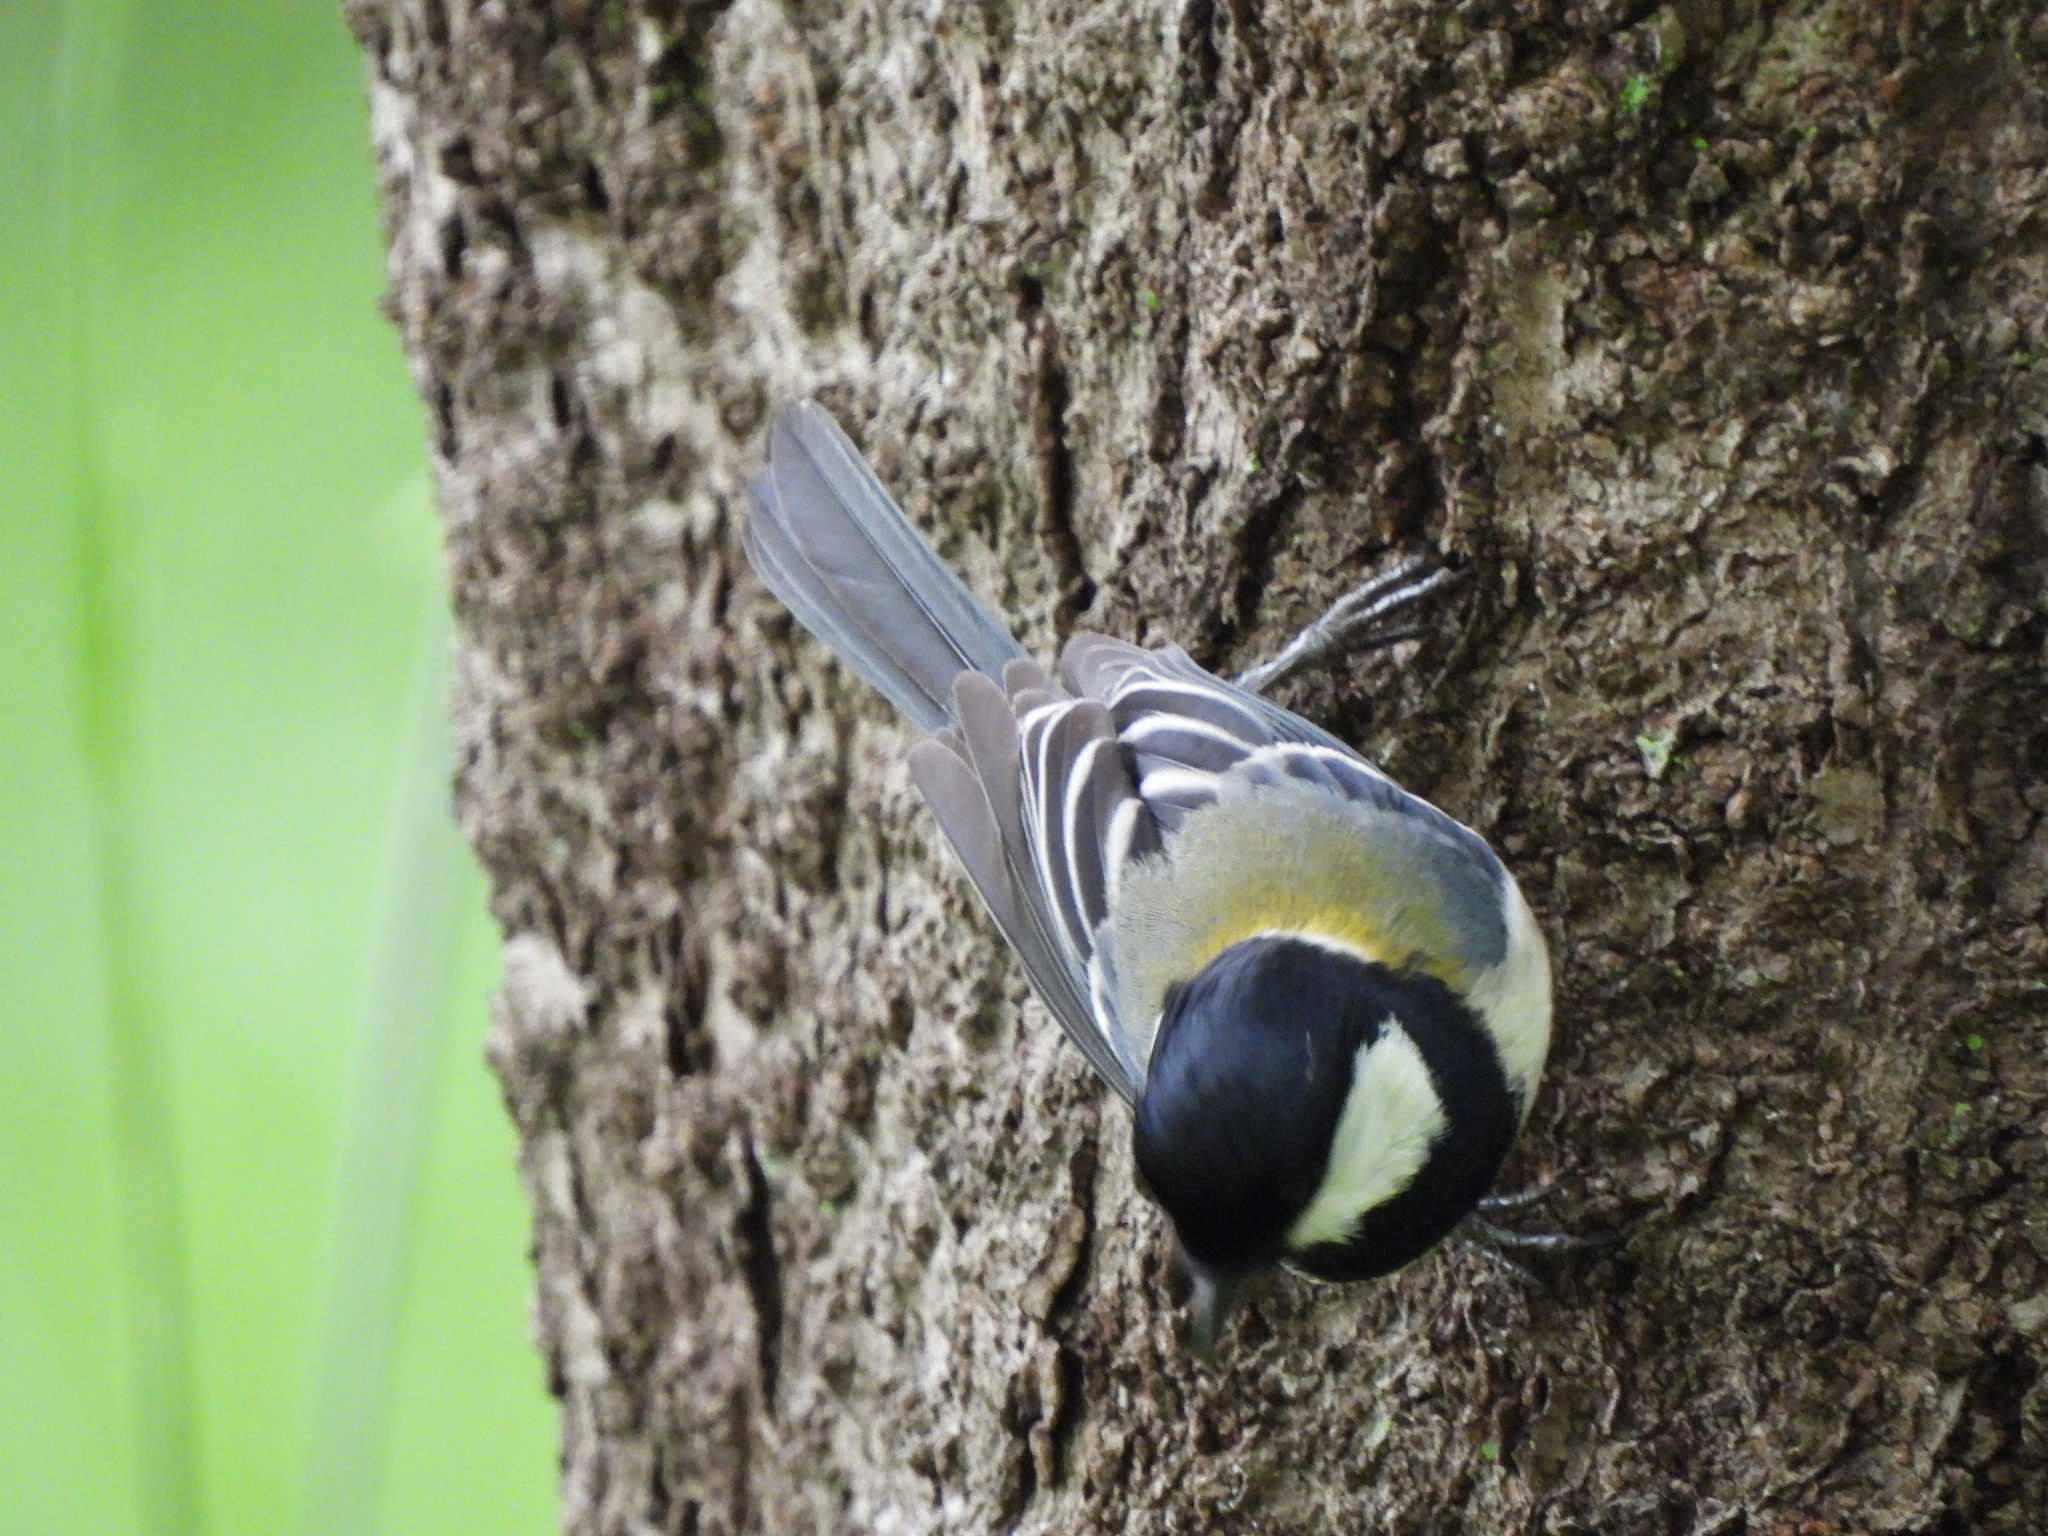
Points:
(1357, 621)
(1503, 1248)
(1499, 1241)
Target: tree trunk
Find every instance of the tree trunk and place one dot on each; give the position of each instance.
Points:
(1714, 337)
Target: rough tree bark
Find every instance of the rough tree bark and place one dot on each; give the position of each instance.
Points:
(1713, 335)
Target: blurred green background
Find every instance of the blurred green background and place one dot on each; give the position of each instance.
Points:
(262, 1250)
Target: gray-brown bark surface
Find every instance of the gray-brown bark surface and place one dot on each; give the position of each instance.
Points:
(1714, 335)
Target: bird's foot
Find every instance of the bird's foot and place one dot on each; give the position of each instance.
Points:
(1360, 620)
(1503, 1246)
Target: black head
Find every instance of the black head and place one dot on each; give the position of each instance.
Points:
(1248, 1077)
(1251, 1073)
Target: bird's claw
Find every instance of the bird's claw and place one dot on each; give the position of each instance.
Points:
(1517, 1200)
(1507, 1240)
(1357, 621)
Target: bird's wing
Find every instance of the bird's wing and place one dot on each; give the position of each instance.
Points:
(1195, 742)
(1181, 725)
(1185, 729)
(1034, 794)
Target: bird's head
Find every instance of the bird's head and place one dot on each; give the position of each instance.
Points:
(1307, 1105)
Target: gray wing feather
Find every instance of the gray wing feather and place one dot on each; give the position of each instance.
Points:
(832, 544)
(958, 797)
(943, 775)
(1167, 679)
(1085, 822)
(1189, 731)
(1075, 779)
(1027, 898)
(1025, 675)
(989, 728)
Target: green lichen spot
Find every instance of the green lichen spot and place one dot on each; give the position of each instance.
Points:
(1656, 747)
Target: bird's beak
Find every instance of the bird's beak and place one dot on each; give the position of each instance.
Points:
(1209, 1308)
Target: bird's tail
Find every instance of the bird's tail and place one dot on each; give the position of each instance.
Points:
(838, 551)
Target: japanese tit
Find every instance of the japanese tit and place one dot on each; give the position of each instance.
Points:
(1326, 1001)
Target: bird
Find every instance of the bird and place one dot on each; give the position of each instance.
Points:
(1325, 1001)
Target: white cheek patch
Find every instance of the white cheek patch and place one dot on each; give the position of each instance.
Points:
(1513, 1002)
(1392, 1117)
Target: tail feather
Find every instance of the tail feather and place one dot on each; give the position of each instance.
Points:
(832, 544)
